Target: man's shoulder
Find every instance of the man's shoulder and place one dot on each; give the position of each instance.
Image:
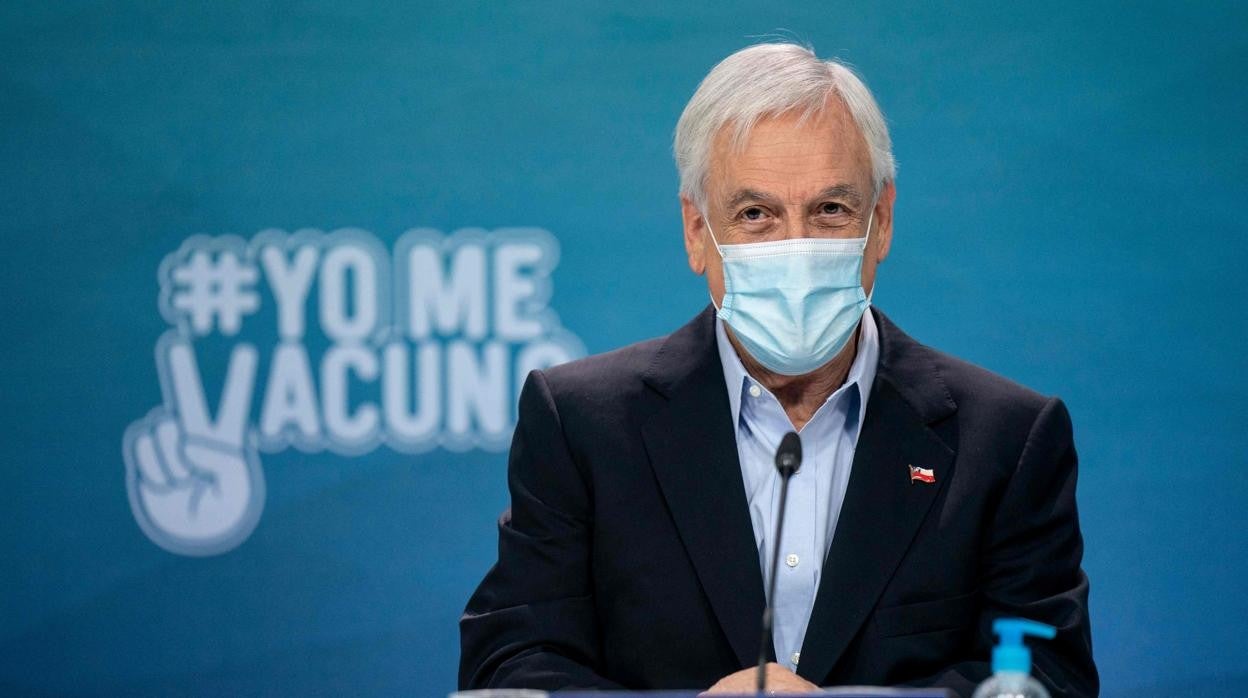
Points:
(968, 382)
(603, 393)
(607, 372)
(970, 387)
(622, 373)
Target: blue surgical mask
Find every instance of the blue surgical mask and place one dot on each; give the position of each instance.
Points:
(793, 304)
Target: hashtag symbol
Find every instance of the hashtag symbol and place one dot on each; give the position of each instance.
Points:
(222, 291)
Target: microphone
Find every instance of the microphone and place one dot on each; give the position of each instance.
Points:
(788, 460)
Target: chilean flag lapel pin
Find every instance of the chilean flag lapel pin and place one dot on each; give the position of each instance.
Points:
(922, 475)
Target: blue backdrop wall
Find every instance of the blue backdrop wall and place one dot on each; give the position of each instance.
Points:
(309, 248)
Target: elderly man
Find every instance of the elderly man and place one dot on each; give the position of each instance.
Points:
(933, 497)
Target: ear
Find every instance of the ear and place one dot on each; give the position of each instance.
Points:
(695, 234)
(882, 238)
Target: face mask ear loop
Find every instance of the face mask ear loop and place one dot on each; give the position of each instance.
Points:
(706, 219)
(720, 252)
(866, 242)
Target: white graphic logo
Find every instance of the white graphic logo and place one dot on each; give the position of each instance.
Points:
(423, 349)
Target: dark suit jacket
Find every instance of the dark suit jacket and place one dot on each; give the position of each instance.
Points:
(628, 559)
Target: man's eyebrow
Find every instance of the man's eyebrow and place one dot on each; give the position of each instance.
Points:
(741, 196)
(847, 192)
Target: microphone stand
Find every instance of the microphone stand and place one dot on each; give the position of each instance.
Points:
(788, 458)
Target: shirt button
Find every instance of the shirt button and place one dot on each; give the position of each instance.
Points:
(755, 391)
(796, 656)
(791, 560)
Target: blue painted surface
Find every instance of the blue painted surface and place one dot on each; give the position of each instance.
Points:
(1069, 214)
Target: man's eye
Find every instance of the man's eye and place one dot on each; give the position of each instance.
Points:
(753, 213)
(831, 208)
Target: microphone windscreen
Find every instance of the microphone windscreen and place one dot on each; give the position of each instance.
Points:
(789, 454)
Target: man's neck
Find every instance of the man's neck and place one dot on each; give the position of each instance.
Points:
(801, 396)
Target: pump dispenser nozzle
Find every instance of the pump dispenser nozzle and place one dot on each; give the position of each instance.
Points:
(1011, 654)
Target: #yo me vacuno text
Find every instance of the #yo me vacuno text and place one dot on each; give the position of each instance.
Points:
(423, 348)
(327, 341)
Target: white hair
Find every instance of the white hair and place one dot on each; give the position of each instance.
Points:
(769, 80)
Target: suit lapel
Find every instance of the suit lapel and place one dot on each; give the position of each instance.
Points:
(692, 447)
(883, 509)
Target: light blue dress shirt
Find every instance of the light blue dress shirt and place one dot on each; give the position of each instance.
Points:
(816, 491)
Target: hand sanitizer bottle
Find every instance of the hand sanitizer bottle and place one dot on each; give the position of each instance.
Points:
(1011, 661)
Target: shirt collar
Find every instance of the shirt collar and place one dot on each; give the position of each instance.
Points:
(861, 371)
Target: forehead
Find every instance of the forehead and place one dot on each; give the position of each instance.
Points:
(790, 155)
